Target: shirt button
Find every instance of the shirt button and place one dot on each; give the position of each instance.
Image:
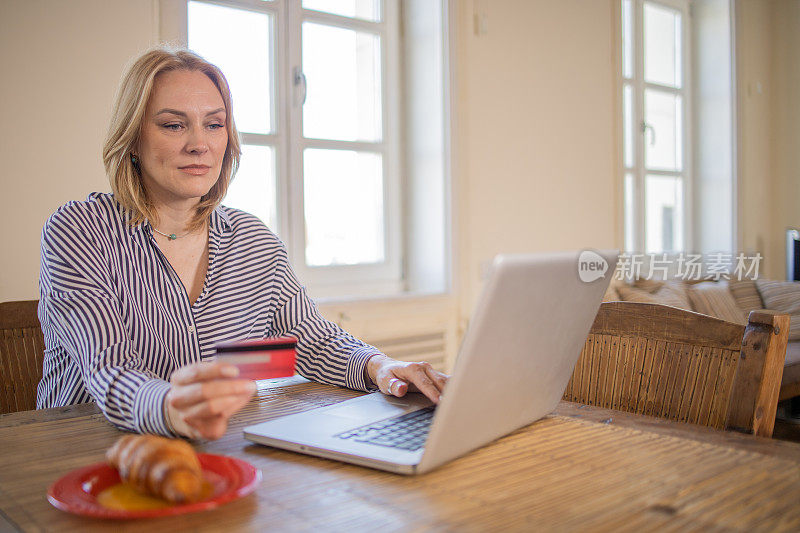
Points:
(190, 329)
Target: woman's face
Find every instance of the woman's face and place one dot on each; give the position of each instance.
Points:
(183, 138)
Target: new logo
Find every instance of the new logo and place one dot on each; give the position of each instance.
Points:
(591, 266)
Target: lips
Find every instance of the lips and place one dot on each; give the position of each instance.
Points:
(195, 170)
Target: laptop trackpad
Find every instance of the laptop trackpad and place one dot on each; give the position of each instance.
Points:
(377, 406)
(368, 410)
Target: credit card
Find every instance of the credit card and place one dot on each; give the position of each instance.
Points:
(260, 358)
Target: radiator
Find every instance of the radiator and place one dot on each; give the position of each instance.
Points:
(409, 330)
(422, 346)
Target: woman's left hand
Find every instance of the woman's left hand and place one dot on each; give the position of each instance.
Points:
(396, 378)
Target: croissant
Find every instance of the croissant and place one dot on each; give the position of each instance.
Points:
(166, 468)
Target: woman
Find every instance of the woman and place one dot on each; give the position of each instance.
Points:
(138, 286)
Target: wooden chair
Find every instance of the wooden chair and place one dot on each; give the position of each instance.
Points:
(671, 363)
(21, 355)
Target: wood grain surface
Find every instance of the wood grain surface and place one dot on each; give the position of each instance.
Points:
(21, 355)
(759, 373)
(581, 468)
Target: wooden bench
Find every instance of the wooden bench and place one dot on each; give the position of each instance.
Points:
(681, 365)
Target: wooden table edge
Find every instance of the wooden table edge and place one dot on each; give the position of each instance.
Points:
(751, 443)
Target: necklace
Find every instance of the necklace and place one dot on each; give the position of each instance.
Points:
(171, 236)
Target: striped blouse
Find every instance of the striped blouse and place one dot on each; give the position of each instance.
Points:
(117, 320)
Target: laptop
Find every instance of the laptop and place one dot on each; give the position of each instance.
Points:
(520, 349)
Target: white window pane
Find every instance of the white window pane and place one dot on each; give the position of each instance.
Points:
(343, 76)
(663, 141)
(630, 214)
(662, 45)
(627, 124)
(253, 187)
(663, 214)
(238, 42)
(627, 39)
(343, 207)
(362, 9)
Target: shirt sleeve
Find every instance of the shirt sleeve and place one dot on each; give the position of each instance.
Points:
(83, 314)
(325, 352)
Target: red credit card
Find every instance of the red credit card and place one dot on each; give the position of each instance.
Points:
(260, 358)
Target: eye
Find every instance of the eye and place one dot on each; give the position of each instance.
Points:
(216, 126)
(173, 126)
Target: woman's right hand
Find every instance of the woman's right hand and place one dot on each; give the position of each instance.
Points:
(203, 397)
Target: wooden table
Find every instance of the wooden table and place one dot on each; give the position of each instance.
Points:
(581, 468)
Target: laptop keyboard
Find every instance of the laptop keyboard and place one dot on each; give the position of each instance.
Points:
(406, 432)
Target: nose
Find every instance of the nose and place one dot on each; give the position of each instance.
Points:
(196, 142)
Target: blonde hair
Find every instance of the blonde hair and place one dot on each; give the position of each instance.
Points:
(126, 126)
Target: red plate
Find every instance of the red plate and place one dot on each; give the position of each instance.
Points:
(77, 491)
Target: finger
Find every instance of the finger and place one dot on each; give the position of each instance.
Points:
(216, 409)
(223, 406)
(419, 378)
(198, 372)
(179, 424)
(183, 396)
(439, 379)
(394, 387)
(216, 430)
(210, 428)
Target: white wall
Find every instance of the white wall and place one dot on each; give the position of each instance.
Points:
(754, 85)
(768, 47)
(536, 138)
(61, 62)
(786, 127)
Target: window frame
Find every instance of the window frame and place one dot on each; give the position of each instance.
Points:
(638, 86)
(287, 141)
(363, 279)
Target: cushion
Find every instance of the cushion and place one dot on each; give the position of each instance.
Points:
(650, 285)
(671, 293)
(715, 299)
(746, 295)
(784, 297)
(611, 294)
(791, 369)
(793, 353)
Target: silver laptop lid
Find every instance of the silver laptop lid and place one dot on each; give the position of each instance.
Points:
(521, 347)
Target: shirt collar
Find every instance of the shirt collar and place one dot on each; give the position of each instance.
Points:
(133, 229)
(219, 222)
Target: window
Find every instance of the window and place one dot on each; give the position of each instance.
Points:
(655, 133)
(318, 89)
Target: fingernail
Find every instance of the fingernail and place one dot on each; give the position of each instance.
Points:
(230, 371)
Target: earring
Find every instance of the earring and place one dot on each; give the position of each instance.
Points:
(134, 160)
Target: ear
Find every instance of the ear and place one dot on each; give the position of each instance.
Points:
(133, 156)
(135, 152)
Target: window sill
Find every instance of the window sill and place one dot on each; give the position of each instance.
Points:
(380, 298)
